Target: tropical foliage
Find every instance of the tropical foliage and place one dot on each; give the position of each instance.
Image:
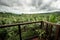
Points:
(12, 33)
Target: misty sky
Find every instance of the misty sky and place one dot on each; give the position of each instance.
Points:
(26, 6)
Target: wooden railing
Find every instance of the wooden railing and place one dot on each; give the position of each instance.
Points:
(43, 24)
(57, 29)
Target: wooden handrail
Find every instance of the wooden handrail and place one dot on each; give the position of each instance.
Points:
(15, 24)
(55, 24)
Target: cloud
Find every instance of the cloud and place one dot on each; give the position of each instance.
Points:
(56, 4)
(19, 6)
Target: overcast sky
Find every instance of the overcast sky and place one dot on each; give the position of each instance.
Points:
(27, 6)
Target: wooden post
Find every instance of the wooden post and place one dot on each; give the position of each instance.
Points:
(50, 32)
(57, 32)
(19, 29)
(46, 32)
(42, 24)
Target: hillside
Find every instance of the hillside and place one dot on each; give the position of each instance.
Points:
(9, 18)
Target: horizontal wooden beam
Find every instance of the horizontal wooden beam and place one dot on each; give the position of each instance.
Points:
(25, 23)
(55, 24)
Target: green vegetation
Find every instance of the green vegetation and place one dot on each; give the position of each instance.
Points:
(9, 18)
(12, 33)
